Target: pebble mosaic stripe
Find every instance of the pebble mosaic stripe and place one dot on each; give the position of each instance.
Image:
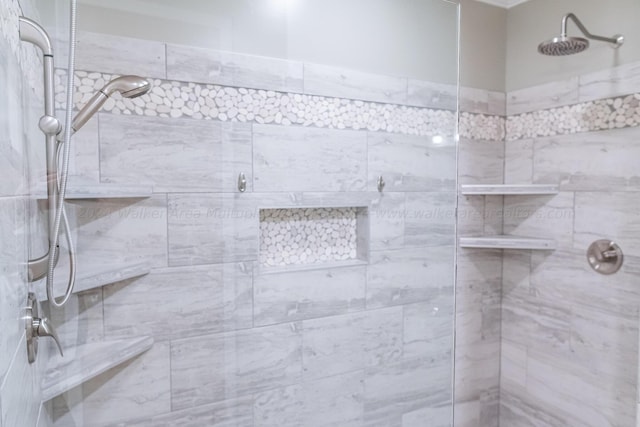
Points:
(307, 236)
(213, 102)
(603, 114)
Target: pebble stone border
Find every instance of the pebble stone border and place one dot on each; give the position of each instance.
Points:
(213, 102)
(603, 114)
(307, 236)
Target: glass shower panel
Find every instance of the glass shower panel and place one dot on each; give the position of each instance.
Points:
(272, 237)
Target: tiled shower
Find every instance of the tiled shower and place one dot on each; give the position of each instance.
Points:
(270, 240)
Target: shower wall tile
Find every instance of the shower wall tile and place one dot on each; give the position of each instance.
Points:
(20, 392)
(405, 276)
(213, 368)
(121, 230)
(138, 388)
(119, 55)
(228, 413)
(593, 161)
(410, 163)
(432, 95)
(391, 392)
(174, 155)
(482, 101)
(610, 215)
(344, 83)
(340, 344)
(12, 150)
(85, 153)
(549, 216)
(291, 296)
(480, 162)
(549, 95)
(200, 65)
(610, 82)
(430, 219)
(212, 228)
(81, 320)
(387, 215)
(307, 159)
(334, 400)
(180, 302)
(518, 161)
(428, 327)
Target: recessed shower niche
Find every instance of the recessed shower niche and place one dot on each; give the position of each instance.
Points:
(293, 238)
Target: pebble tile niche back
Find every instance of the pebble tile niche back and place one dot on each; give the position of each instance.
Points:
(306, 237)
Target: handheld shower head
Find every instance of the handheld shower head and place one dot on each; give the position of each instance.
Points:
(565, 45)
(127, 86)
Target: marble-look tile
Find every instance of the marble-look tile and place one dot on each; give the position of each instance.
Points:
(212, 228)
(428, 327)
(522, 411)
(481, 101)
(477, 370)
(219, 298)
(579, 394)
(432, 95)
(550, 95)
(409, 275)
(228, 413)
(212, 368)
(590, 161)
(437, 417)
(493, 215)
(339, 82)
(410, 163)
(391, 392)
(621, 80)
(430, 219)
(121, 230)
(44, 419)
(479, 280)
(291, 296)
(518, 162)
(340, 344)
(387, 215)
(545, 217)
(480, 162)
(513, 366)
(85, 152)
(308, 159)
(194, 64)
(119, 55)
(137, 388)
(20, 394)
(608, 215)
(470, 220)
(80, 321)
(174, 155)
(334, 401)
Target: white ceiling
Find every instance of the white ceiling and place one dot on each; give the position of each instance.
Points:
(504, 3)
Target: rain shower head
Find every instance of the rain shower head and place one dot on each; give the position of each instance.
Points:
(565, 45)
(127, 86)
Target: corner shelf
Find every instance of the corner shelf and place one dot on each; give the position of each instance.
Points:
(103, 191)
(98, 276)
(508, 242)
(509, 190)
(87, 361)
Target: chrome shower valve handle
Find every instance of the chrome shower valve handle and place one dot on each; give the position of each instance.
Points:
(37, 327)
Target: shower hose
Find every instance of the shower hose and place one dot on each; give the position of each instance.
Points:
(63, 174)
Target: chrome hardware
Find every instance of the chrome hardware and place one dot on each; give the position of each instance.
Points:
(37, 327)
(381, 183)
(242, 183)
(605, 256)
(50, 125)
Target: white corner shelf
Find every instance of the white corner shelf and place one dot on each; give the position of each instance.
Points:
(508, 242)
(87, 361)
(509, 190)
(92, 277)
(103, 191)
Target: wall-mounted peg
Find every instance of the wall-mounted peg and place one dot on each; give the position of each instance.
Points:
(242, 183)
(381, 183)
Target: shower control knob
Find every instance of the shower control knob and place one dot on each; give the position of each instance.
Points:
(37, 327)
(50, 125)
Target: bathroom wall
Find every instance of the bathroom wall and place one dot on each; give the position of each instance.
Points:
(570, 335)
(368, 341)
(535, 21)
(20, 109)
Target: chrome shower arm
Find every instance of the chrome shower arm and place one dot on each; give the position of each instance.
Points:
(616, 40)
